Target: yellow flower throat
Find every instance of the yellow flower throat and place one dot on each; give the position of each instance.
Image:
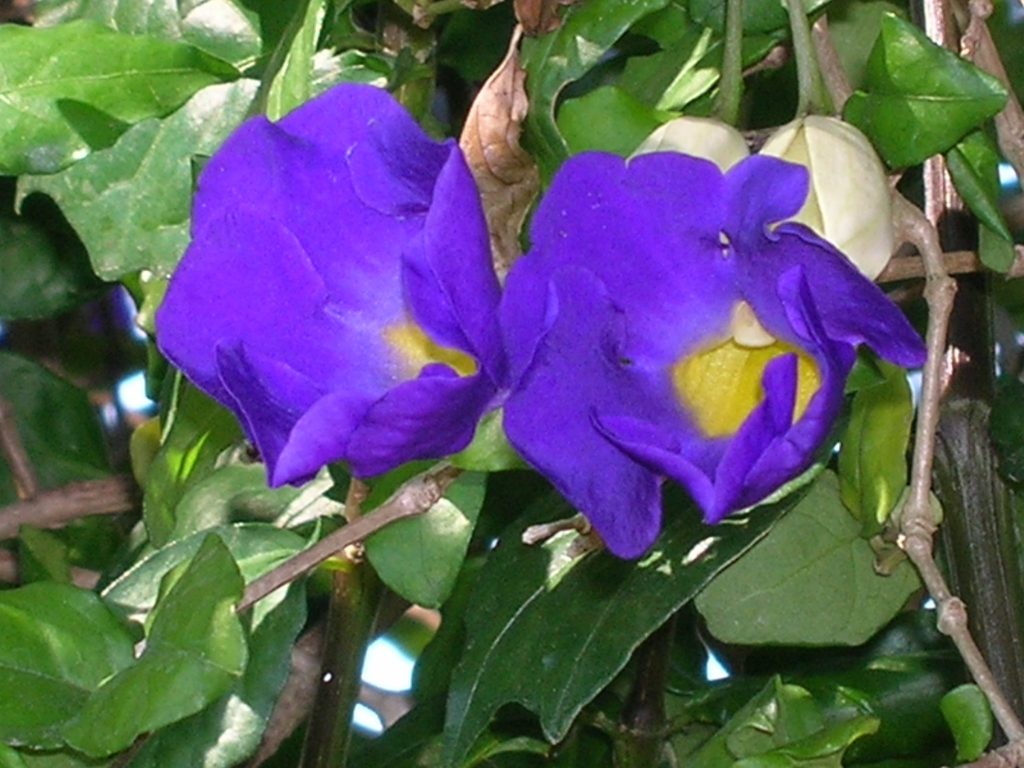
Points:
(721, 386)
(415, 349)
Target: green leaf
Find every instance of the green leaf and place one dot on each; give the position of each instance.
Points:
(872, 459)
(38, 279)
(58, 85)
(490, 450)
(42, 556)
(920, 99)
(974, 166)
(824, 749)
(196, 431)
(607, 119)
(195, 650)
(229, 731)
(782, 726)
(227, 29)
(420, 558)
(130, 203)
(330, 69)
(287, 83)
(809, 582)
(553, 61)
(237, 493)
(758, 15)
(689, 68)
(609, 606)
(255, 547)
(970, 719)
(59, 644)
(854, 26)
(57, 425)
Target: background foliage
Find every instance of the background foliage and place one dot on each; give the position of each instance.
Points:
(792, 635)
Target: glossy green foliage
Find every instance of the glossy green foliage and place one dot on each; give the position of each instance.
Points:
(918, 98)
(129, 203)
(195, 431)
(872, 465)
(60, 643)
(555, 60)
(970, 719)
(228, 29)
(974, 166)
(420, 558)
(611, 604)
(195, 649)
(68, 90)
(39, 275)
(811, 581)
(56, 424)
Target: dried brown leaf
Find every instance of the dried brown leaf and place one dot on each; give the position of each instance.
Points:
(538, 17)
(505, 173)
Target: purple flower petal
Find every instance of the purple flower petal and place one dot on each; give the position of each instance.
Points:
(339, 262)
(634, 277)
(548, 417)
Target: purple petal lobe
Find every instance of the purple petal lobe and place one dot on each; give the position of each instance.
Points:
(404, 424)
(548, 418)
(760, 191)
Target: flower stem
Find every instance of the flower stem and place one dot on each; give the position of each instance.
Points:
(643, 725)
(355, 597)
(356, 592)
(730, 87)
(813, 97)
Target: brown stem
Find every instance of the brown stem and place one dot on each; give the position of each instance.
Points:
(954, 263)
(13, 449)
(977, 44)
(640, 741)
(916, 523)
(51, 509)
(413, 498)
(836, 81)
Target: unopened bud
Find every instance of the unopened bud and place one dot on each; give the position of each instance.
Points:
(700, 137)
(849, 203)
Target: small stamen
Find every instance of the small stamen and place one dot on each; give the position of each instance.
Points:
(747, 330)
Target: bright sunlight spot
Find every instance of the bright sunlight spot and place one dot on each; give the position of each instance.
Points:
(387, 667)
(714, 669)
(131, 393)
(365, 718)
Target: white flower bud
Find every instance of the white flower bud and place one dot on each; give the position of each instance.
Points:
(849, 202)
(700, 137)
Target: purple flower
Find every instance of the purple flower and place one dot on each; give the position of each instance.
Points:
(661, 327)
(338, 293)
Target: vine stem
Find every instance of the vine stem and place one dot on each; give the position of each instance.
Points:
(355, 599)
(916, 523)
(730, 86)
(412, 499)
(813, 97)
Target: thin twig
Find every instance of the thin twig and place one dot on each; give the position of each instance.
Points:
(54, 508)
(13, 449)
(977, 44)
(954, 263)
(414, 498)
(1008, 756)
(916, 523)
(832, 72)
(9, 570)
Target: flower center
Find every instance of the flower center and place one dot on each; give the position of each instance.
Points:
(721, 386)
(415, 350)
